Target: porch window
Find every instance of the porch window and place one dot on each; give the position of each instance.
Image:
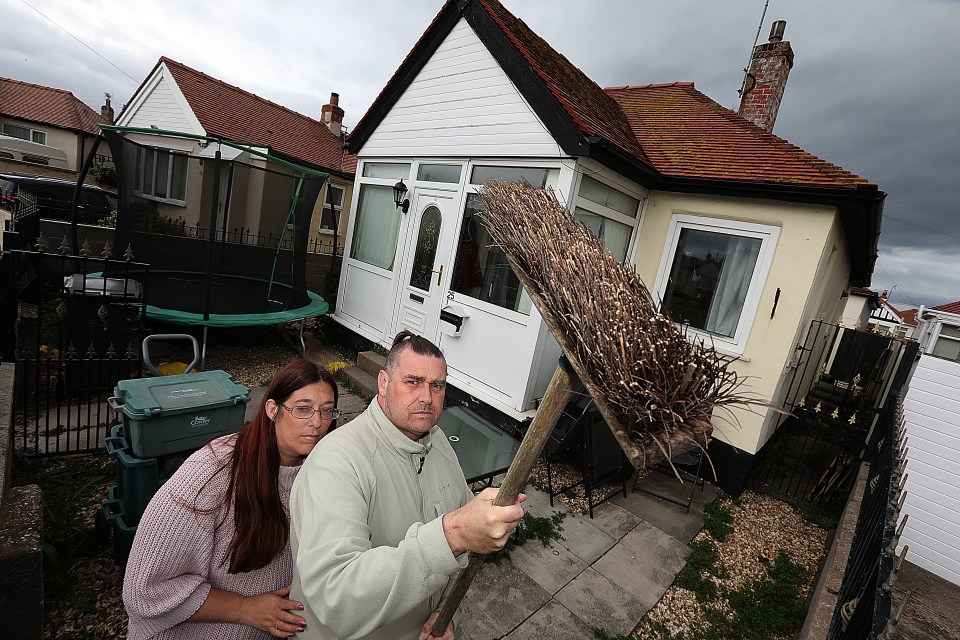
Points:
(610, 213)
(389, 170)
(712, 275)
(161, 175)
(376, 227)
(536, 177)
(948, 343)
(332, 205)
(482, 271)
(449, 173)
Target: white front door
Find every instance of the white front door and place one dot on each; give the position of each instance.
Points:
(424, 269)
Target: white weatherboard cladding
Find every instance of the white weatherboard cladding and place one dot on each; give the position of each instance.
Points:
(163, 109)
(932, 416)
(461, 104)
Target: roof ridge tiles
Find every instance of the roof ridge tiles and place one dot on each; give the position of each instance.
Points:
(38, 86)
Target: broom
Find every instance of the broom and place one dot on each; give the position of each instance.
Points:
(655, 388)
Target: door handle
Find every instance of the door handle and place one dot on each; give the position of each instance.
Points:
(439, 274)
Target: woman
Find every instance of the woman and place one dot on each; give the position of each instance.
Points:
(211, 557)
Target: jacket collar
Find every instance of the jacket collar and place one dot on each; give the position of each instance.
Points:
(395, 438)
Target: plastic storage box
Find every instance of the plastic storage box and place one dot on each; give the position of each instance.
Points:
(177, 413)
(111, 510)
(138, 479)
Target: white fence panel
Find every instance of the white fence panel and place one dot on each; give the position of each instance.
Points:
(932, 415)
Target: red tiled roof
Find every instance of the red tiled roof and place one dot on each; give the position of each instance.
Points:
(950, 307)
(230, 112)
(687, 135)
(909, 316)
(46, 105)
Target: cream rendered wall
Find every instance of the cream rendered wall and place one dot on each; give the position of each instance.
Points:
(800, 268)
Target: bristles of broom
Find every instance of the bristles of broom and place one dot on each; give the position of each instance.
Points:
(655, 388)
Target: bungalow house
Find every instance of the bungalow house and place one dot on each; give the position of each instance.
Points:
(886, 317)
(176, 98)
(744, 237)
(56, 128)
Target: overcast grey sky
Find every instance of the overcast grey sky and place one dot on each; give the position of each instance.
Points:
(874, 87)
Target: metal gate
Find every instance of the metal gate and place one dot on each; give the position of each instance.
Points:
(78, 328)
(840, 379)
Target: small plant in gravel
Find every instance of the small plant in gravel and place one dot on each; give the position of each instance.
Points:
(717, 519)
(601, 634)
(702, 563)
(531, 527)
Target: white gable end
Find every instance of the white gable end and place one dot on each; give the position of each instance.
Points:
(161, 104)
(461, 104)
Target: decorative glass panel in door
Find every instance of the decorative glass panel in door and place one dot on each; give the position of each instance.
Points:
(422, 269)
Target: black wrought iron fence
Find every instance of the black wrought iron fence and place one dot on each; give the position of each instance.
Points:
(864, 599)
(324, 244)
(77, 334)
(23, 225)
(839, 380)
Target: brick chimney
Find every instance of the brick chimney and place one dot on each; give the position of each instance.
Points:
(106, 111)
(766, 79)
(332, 115)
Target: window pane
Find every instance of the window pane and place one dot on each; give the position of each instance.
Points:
(16, 132)
(947, 330)
(35, 159)
(163, 174)
(334, 196)
(178, 188)
(539, 178)
(39, 137)
(375, 232)
(482, 271)
(947, 348)
(422, 270)
(439, 173)
(709, 279)
(614, 235)
(149, 156)
(596, 191)
(393, 170)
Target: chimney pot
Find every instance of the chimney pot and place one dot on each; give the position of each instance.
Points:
(106, 111)
(776, 30)
(332, 115)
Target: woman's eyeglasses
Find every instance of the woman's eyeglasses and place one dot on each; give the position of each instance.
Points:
(305, 413)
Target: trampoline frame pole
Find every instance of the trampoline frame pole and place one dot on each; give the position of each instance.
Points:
(283, 230)
(203, 350)
(213, 231)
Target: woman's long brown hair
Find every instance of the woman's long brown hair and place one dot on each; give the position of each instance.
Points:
(262, 526)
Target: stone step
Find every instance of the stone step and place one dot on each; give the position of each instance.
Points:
(371, 362)
(362, 382)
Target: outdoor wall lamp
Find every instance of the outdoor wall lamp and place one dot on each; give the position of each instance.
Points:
(399, 193)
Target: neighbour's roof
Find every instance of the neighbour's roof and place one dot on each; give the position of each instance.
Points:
(47, 105)
(230, 112)
(909, 316)
(950, 307)
(668, 136)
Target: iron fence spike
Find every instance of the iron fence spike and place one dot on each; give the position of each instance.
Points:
(85, 249)
(107, 250)
(128, 254)
(64, 246)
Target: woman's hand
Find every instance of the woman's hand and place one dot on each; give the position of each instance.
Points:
(269, 611)
(273, 612)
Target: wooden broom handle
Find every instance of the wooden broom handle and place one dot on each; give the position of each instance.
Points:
(562, 385)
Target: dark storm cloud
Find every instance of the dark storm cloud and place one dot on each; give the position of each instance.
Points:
(874, 88)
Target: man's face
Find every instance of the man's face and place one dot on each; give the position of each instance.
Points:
(412, 396)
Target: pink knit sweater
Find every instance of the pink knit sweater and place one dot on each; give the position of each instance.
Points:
(179, 554)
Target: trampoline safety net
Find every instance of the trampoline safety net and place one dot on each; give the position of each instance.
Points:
(224, 231)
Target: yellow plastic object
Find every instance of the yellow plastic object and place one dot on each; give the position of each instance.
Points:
(333, 367)
(173, 368)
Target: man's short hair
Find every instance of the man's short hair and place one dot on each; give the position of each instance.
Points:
(409, 340)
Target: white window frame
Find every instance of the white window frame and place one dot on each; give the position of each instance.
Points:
(32, 134)
(941, 336)
(634, 222)
(337, 207)
(768, 234)
(138, 181)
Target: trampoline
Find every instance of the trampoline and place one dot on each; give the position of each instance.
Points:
(224, 227)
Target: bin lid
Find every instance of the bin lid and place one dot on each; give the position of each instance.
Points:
(80, 284)
(176, 394)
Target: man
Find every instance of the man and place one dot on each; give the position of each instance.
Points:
(381, 516)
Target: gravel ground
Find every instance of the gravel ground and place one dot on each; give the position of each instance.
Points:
(762, 526)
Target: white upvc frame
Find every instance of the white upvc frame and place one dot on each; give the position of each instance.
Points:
(140, 167)
(768, 235)
(635, 222)
(337, 206)
(31, 133)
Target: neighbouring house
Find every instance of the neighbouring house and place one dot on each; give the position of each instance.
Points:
(55, 129)
(886, 317)
(938, 330)
(744, 237)
(177, 98)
